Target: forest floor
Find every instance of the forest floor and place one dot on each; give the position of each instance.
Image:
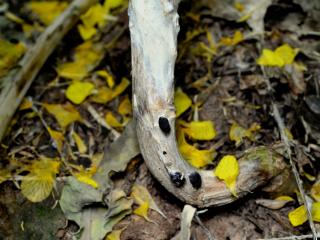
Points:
(79, 104)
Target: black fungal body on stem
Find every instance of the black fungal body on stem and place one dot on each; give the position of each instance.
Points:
(195, 180)
(164, 125)
(177, 179)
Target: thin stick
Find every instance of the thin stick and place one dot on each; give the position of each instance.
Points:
(285, 139)
(292, 237)
(18, 81)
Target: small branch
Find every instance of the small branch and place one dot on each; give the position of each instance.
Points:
(101, 121)
(293, 237)
(18, 81)
(285, 139)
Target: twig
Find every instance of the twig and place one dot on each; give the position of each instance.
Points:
(285, 139)
(101, 121)
(18, 81)
(293, 237)
(204, 228)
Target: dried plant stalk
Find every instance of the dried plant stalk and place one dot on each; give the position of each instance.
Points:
(154, 27)
(18, 81)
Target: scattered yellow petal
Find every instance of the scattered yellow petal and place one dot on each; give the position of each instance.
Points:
(120, 87)
(237, 133)
(228, 171)
(114, 235)
(64, 114)
(114, 4)
(141, 196)
(94, 16)
(77, 92)
(125, 107)
(239, 6)
(298, 216)
(58, 138)
(107, 76)
(197, 158)
(142, 210)
(26, 104)
(199, 130)
(73, 70)
(38, 184)
(112, 120)
(9, 55)
(47, 11)
(82, 148)
(86, 32)
(86, 56)
(105, 94)
(315, 191)
(86, 177)
(181, 102)
(237, 37)
(282, 56)
(316, 211)
(285, 198)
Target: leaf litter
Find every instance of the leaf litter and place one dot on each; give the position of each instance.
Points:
(205, 140)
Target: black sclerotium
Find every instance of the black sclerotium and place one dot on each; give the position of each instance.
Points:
(164, 125)
(195, 180)
(177, 179)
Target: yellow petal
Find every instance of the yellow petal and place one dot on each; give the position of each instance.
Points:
(281, 56)
(315, 191)
(86, 32)
(125, 107)
(103, 95)
(64, 114)
(181, 101)
(120, 87)
(107, 76)
(112, 120)
(285, 198)
(9, 55)
(38, 184)
(287, 53)
(114, 235)
(237, 133)
(228, 170)
(73, 70)
(269, 58)
(200, 130)
(26, 104)
(86, 178)
(57, 137)
(141, 196)
(95, 15)
(111, 4)
(316, 211)
(142, 210)
(79, 142)
(197, 158)
(47, 11)
(237, 37)
(77, 92)
(298, 216)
